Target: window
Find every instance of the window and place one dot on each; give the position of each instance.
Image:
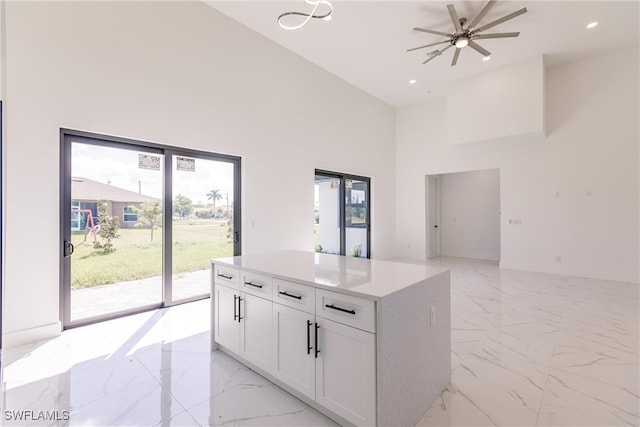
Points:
(129, 214)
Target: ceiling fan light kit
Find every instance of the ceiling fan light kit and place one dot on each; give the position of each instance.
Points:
(465, 36)
(314, 14)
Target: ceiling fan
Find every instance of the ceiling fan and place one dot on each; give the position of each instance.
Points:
(465, 36)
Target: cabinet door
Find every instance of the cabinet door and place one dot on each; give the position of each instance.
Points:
(256, 331)
(345, 372)
(226, 318)
(294, 360)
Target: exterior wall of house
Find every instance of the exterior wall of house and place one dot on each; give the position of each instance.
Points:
(117, 209)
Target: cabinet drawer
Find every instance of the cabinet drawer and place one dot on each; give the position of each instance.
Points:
(257, 284)
(227, 276)
(346, 309)
(294, 295)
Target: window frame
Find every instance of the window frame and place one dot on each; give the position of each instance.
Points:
(343, 177)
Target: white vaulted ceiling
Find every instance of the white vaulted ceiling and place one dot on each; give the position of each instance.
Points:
(366, 41)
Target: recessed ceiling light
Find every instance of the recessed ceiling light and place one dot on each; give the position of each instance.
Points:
(591, 25)
(486, 58)
(412, 81)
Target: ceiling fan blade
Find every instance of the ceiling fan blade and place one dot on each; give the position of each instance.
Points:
(438, 54)
(425, 30)
(495, 36)
(454, 17)
(501, 20)
(475, 46)
(434, 56)
(483, 12)
(427, 45)
(455, 56)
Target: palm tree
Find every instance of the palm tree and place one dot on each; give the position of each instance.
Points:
(214, 195)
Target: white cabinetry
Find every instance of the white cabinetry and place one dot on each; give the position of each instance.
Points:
(227, 325)
(350, 337)
(327, 361)
(295, 363)
(244, 319)
(345, 372)
(256, 339)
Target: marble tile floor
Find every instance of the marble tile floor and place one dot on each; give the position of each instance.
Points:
(528, 349)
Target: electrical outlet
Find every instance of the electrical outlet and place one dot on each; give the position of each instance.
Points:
(433, 315)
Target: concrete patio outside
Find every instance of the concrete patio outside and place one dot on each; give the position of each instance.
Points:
(100, 300)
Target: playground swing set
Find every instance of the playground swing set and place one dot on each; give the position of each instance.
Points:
(91, 227)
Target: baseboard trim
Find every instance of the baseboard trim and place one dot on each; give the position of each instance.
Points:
(598, 275)
(27, 336)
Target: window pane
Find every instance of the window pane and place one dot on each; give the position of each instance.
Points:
(117, 264)
(356, 212)
(327, 214)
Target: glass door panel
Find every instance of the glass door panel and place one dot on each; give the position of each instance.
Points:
(116, 206)
(202, 222)
(327, 234)
(356, 217)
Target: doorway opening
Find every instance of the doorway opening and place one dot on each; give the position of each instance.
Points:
(463, 214)
(140, 223)
(342, 205)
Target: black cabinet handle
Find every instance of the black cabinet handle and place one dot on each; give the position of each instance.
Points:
(316, 339)
(224, 276)
(309, 337)
(235, 308)
(344, 310)
(239, 313)
(253, 284)
(287, 294)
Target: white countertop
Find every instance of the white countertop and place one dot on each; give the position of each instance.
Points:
(358, 276)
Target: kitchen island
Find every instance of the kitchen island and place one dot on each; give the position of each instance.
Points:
(366, 342)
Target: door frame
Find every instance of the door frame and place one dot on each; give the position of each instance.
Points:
(342, 177)
(67, 137)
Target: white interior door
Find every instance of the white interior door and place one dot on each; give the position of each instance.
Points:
(433, 215)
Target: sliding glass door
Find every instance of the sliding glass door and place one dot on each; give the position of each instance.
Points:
(140, 223)
(114, 264)
(342, 214)
(202, 222)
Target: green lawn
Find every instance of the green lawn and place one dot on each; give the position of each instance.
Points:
(136, 256)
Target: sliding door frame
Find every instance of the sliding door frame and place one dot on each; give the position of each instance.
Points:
(69, 136)
(343, 177)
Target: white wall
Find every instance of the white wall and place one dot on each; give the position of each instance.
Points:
(589, 158)
(182, 74)
(470, 214)
(483, 101)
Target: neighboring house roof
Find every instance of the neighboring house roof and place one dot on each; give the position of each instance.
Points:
(88, 189)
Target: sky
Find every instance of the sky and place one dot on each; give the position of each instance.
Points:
(119, 167)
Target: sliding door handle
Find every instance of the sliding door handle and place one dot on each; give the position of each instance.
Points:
(68, 248)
